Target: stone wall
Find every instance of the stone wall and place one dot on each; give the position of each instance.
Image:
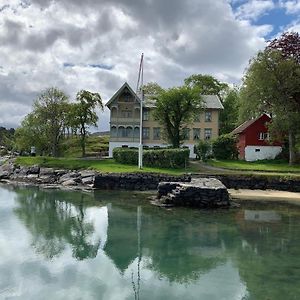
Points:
(260, 182)
(135, 181)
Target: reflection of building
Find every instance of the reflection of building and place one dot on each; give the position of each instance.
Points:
(125, 121)
(262, 216)
(122, 241)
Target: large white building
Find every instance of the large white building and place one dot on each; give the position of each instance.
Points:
(124, 108)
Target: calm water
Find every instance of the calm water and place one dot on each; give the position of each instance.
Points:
(110, 245)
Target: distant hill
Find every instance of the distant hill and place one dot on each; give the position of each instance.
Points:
(100, 133)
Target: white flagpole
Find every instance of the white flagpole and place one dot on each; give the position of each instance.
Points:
(140, 80)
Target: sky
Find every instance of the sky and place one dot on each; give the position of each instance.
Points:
(96, 44)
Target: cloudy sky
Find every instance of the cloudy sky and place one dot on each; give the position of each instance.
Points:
(96, 44)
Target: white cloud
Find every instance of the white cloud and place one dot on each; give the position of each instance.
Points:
(291, 6)
(254, 9)
(52, 43)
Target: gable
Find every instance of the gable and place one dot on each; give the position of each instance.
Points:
(263, 119)
(125, 94)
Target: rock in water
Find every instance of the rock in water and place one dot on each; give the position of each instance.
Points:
(200, 192)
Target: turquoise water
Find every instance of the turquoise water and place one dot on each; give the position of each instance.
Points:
(114, 246)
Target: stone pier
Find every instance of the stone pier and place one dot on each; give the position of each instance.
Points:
(200, 192)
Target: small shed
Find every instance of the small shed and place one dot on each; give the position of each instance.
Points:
(253, 141)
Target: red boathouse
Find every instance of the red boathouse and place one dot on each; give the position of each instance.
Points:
(254, 140)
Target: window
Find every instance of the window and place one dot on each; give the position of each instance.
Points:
(113, 131)
(196, 133)
(126, 114)
(127, 97)
(208, 117)
(197, 118)
(156, 133)
(186, 133)
(264, 136)
(146, 133)
(121, 131)
(136, 132)
(146, 115)
(207, 133)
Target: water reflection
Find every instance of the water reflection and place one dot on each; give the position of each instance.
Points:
(55, 222)
(123, 248)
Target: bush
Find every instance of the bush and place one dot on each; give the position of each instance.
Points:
(203, 149)
(161, 158)
(127, 156)
(224, 147)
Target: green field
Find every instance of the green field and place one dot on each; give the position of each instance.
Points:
(278, 166)
(104, 165)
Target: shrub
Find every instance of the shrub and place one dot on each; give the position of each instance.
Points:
(162, 158)
(224, 147)
(126, 156)
(202, 149)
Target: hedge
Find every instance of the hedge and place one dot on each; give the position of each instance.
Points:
(162, 158)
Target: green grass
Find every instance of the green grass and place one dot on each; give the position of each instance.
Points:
(94, 145)
(105, 165)
(278, 166)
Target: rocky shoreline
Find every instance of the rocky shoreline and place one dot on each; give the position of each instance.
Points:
(83, 179)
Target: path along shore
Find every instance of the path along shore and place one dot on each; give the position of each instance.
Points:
(240, 195)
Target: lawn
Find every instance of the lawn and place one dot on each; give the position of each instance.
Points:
(105, 165)
(263, 165)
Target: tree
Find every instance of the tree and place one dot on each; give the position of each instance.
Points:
(152, 88)
(175, 109)
(272, 85)
(32, 132)
(224, 147)
(207, 84)
(229, 115)
(84, 113)
(51, 109)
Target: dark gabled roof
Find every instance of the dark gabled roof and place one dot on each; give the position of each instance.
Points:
(119, 91)
(247, 124)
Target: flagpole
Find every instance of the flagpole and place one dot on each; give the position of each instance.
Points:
(140, 86)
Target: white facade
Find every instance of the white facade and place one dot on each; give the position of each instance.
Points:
(113, 145)
(253, 153)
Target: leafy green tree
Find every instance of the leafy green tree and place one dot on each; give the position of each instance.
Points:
(152, 88)
(224, 147)
(7, 137)
(32, 132)
(202, 149)
(230, 114)
(207, 84)
(175, 109)
(51, 109)
(272, 85)
(84, 113)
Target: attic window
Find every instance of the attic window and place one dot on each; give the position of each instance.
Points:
(264, 136)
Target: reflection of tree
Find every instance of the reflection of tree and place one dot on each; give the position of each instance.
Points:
(182, 249)
(269, 260)
(56, 218)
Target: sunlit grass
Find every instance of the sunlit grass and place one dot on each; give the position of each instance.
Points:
(105, 165)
